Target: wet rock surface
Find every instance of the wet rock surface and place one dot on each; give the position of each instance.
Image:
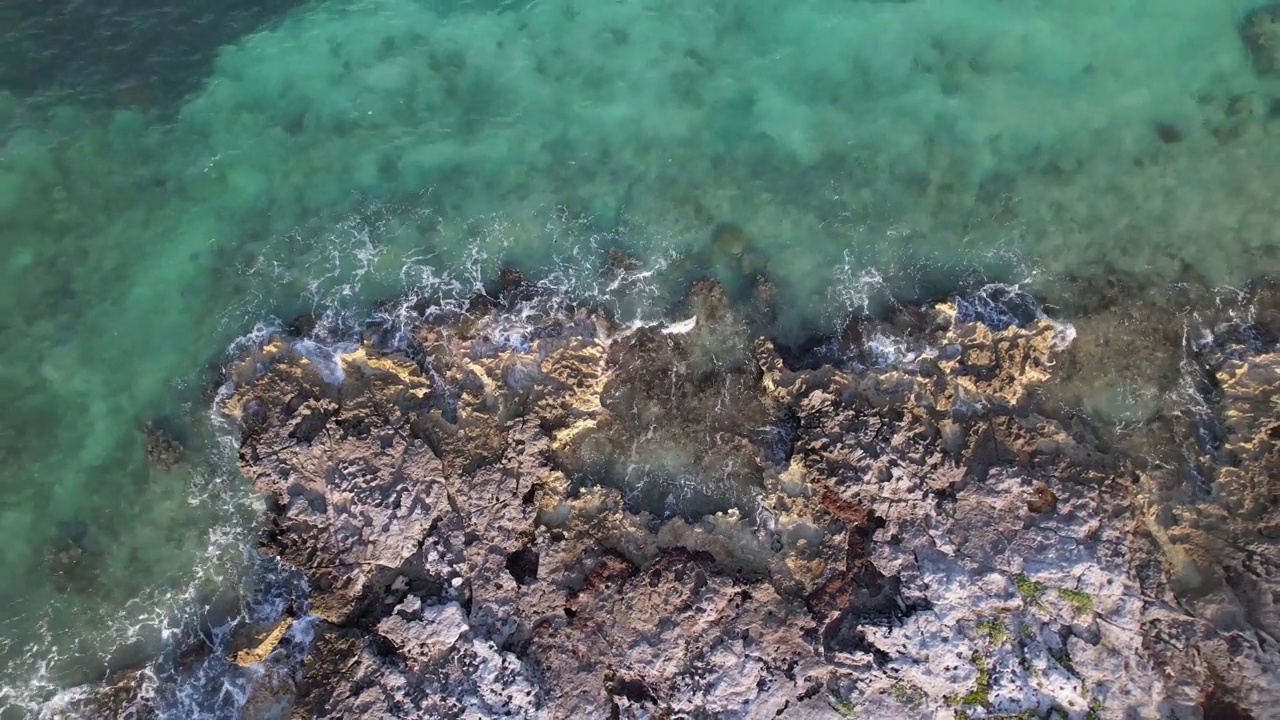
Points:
(529, 512)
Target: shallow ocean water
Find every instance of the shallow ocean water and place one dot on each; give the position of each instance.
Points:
(154, 211)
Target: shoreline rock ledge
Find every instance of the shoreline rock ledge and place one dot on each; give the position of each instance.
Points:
(529, 512)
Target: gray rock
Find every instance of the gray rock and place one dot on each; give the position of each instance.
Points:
(923, 539)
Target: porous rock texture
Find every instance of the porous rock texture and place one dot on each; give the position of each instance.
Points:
(529, 512)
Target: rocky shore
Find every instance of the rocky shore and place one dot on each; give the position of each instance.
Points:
(528, 511)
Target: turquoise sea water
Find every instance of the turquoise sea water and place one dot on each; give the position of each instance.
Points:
(347, 151)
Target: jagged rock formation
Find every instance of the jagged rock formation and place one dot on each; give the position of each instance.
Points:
(530, 512)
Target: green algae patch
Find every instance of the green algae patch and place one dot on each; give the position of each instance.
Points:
(1029, 589)
(1081, 602)
(908, 694)
(980, 695)
(994, 629)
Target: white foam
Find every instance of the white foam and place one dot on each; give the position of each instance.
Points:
(325, 358)
(682, 327)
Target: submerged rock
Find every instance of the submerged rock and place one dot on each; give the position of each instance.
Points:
(1261, 34)
(123, 695)
(73, 562)
(164, 449)
(532, 513)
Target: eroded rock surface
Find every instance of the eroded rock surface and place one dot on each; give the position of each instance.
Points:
(529, 512)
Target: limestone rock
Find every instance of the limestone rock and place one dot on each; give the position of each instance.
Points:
(478, 519)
